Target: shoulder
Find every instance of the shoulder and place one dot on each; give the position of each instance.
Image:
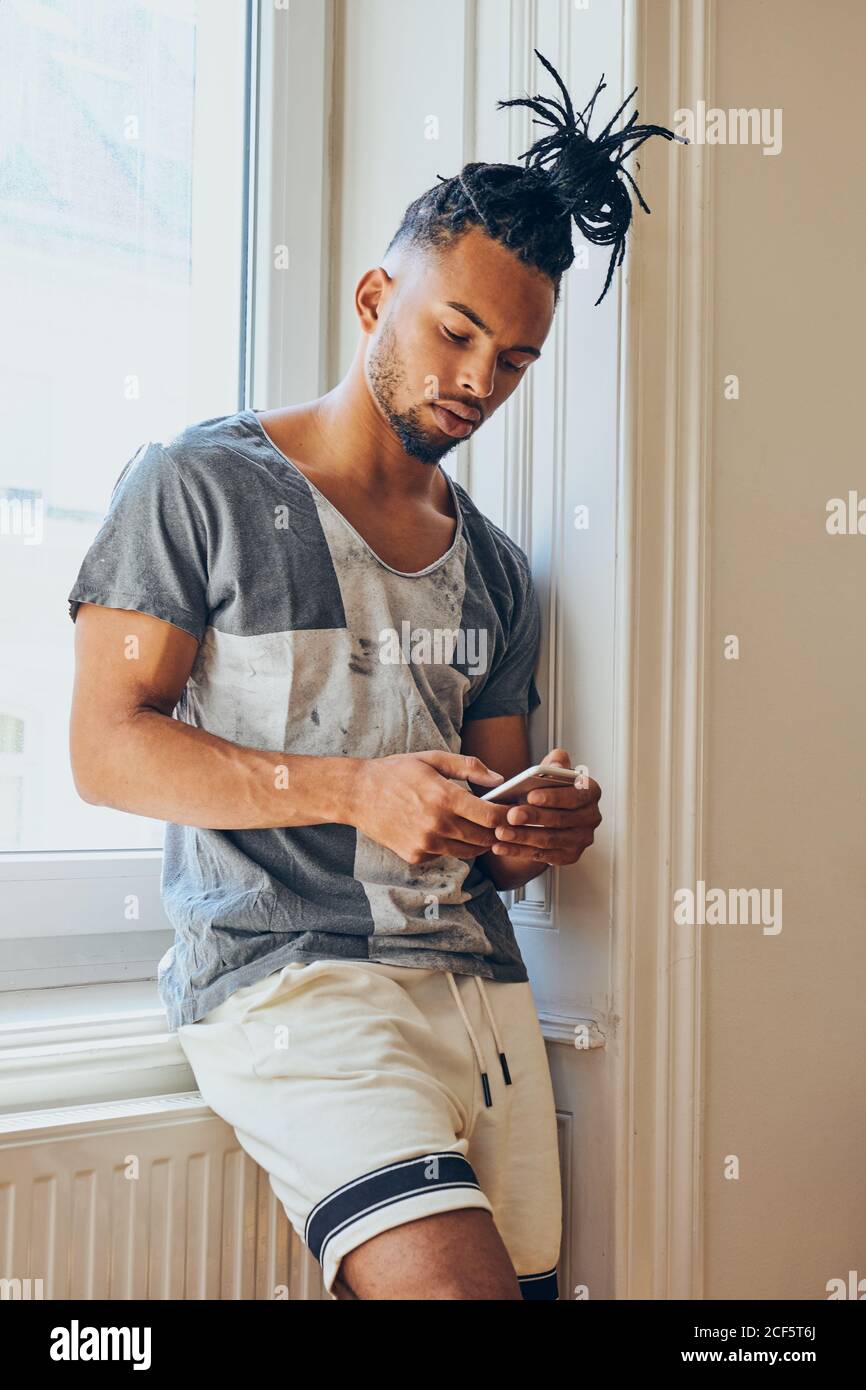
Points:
(216, 469)
(203, 445)
(222, 460)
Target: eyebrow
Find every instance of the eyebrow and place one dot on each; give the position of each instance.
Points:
(479, 323)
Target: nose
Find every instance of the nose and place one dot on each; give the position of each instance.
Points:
(478, 380)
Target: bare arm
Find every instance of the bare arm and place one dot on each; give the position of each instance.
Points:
(128, 752)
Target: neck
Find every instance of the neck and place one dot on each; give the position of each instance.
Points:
(356, 442)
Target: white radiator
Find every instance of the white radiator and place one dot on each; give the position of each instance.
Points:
(140, 1199)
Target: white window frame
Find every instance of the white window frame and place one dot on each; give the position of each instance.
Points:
(60, 919)
(80, 917)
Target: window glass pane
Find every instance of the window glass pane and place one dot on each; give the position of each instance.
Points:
(122, 181)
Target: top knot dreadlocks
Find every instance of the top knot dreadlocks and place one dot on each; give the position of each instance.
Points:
(568, 174)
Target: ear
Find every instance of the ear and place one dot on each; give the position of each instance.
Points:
(371, 292)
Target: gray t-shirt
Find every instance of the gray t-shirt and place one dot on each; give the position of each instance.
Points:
(309, 643)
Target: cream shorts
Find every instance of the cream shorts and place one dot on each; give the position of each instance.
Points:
(376, 1094)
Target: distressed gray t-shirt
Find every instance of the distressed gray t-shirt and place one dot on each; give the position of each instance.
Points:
(309, 643)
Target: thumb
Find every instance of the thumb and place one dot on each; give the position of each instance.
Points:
(460, 765)
(559, 756)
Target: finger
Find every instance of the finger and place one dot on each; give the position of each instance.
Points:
(456, 849)
(538, 818)
(466, 807)
(460, 765)
(572, 818)
(527, 838)
(552, 856)
(548, 856)
(464, 832)
(566, 796)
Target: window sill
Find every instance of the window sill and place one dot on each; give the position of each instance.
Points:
(77, 1044)
(109, 1042)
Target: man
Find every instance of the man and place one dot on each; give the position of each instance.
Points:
(348, 645)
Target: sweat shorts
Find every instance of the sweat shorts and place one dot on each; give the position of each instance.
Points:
(376, 1094)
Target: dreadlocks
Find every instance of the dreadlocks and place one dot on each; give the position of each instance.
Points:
(568, 175)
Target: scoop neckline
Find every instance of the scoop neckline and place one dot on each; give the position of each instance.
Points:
(403, 574)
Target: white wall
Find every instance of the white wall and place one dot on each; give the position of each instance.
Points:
(785, 760)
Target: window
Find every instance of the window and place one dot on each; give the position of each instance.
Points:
(122, 267)
(151, 153)
(124, 214)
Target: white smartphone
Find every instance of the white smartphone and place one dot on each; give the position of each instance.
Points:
(538, 778)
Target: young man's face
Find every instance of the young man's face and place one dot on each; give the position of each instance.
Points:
(426, 354)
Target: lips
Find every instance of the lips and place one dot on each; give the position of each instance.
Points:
(466, 412)
(456, 420)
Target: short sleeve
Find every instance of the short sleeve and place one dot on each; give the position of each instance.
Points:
(510, 688)
(150, 553)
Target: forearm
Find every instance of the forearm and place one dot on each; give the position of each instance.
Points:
(509, 871)
(154, 765)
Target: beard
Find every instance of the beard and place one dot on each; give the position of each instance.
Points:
(386, 378)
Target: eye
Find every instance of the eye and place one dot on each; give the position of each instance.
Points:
(456, 338)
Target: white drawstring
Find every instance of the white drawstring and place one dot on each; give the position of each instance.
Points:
(485, 1083)
(499, 1048)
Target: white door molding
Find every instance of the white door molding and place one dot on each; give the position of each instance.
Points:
(288, 283)
(661, 607)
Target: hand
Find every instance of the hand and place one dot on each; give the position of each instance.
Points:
(564, 822)
(408, 803)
